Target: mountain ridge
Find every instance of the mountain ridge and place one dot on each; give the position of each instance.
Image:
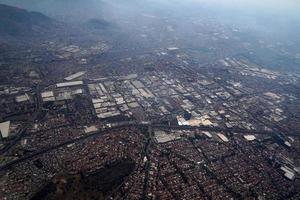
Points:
(18, 22)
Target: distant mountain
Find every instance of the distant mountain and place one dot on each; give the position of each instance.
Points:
(62, 10)
(16, 22)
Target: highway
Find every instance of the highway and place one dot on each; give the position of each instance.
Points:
(148, 125)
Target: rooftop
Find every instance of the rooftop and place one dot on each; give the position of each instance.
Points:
(4, 128)
(68, 84)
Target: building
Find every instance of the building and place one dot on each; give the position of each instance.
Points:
(4, 129)
(223, 137)
(69, 84)
(75, 76)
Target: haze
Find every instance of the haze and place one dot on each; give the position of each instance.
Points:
(149, 99)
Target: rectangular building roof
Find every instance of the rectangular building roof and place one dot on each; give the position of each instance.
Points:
(4, 128)
(22, 98)
(289, 173)
(74, 76)
(69, 84)
(108, 114)
(172, 48)
(90, 129)
(163, 137)
(223, 137)
(47, 94)
(77, 91)
(207, 134)
(48, 99)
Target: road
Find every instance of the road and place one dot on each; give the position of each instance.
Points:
(127, 124)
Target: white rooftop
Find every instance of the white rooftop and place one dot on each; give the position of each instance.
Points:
(47, 94)
(249, 137)
(172, 48)
(74, 76)
(48, 99)
(22, 98)
(287, 144)
(68, 84)
(90, 129)
(4, 128)
(223, 137)
(207, 134)
(289, 173)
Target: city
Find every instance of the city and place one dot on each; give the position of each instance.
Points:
(92, 117)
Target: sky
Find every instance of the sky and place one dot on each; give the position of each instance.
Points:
(279, 6)
(282, 7)
(288, 8)
(269, 14)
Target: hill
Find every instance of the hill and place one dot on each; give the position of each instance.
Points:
(16, 22)
(62, 10)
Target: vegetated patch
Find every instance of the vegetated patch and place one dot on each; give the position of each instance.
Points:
(96, 185)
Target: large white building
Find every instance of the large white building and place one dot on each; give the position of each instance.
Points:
(69, 84)
(4, 129)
